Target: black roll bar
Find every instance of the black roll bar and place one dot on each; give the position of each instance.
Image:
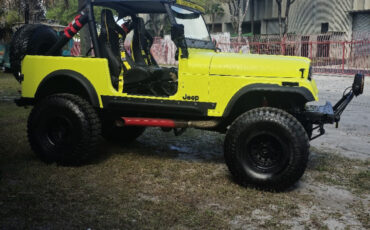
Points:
(92, 28)
(86, 16)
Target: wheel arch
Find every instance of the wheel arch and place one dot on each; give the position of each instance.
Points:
(253, 96)
(67, 81)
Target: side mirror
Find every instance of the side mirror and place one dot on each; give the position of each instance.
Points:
(178, 37)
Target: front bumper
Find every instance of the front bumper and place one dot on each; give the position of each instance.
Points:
(328, 114)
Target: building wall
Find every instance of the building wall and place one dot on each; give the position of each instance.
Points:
(361, 23)
(361, 4)
(265, 14)
(263, 9)
(305, 16)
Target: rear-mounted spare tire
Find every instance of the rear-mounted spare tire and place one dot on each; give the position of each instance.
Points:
(31, 39)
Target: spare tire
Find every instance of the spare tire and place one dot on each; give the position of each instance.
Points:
(34, 39)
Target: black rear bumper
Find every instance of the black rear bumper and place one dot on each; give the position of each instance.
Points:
(24, 101)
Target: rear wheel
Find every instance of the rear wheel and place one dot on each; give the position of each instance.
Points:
(267, 148)
(64, 128)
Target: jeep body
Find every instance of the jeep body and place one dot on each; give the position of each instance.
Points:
(210, 84)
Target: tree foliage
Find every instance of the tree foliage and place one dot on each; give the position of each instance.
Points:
(62, 11)
(21, 11)
(159, 24)
(213, 9)
(10, 12)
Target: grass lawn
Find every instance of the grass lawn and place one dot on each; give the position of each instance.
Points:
(8, 85)
(166, 182)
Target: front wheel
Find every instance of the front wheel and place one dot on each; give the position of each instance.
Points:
(267, 148)
(65, 129)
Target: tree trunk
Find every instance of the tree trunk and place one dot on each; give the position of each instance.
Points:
(286, 17)
(66, 3)
(27, 13)
(19, 10)
(240, 31)
(153, 23)
(213, 23)
(238, 10)
(288, 4)
(240, 21)
(252, 17)
(278, 2)
(85, 39)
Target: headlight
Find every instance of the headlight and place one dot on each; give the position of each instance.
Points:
(358, 84)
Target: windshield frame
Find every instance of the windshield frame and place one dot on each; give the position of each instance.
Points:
(191, 42)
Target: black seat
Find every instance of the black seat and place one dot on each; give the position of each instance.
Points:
(141, 44)
(109, 45)
(156, 81)
(145, 76)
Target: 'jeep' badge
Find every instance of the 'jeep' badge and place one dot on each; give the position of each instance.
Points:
(190, 98)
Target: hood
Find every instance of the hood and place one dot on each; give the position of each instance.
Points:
(246, 65)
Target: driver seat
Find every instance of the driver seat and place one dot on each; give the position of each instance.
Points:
(109, 45)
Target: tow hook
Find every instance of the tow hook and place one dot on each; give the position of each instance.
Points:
(321, 131)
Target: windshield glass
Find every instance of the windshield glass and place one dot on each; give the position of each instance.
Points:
(195, 27)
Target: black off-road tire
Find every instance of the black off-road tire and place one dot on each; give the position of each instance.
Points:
(65, 129)
(120, 135)
(267, 148)
(32, 39)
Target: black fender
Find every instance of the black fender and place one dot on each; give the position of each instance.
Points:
(303, 92)
(63, 81)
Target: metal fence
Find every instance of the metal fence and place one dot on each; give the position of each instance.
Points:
(334, 53)
(328, 53)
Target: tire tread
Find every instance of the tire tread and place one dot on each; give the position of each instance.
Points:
(86, 147)
(296, 166)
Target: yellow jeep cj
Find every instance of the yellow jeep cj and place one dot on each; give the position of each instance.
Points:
(259, 101)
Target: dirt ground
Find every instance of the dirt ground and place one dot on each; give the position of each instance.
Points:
(167, 182)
